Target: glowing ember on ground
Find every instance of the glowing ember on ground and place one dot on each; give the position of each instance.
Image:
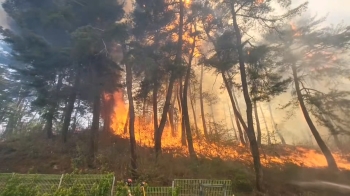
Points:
(144, 137)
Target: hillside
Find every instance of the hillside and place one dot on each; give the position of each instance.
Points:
(34, 154)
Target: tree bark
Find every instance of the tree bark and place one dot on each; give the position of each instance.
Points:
(94, 127)
(70, 107)
(184, 102)
(239, 111)
(238, 116)
(205, 130)
(325, 150)
(131, 120)
(155, 108)
(52, 108)
(183, 126)
(171, 116)
(74, 125)
(251, 135)
(194, 112)
(258, 129)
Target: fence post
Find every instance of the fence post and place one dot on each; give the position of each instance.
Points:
(59, 185)
(172, 188)
(112, 190)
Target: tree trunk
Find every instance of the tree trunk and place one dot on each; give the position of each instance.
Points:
(233, 124)
(184, 102)
(194, 111)
(326, 152)
(239, 111)
(183, 126)
(131, 121)
(155, 108)
(74, 125)
(257, 123)
(52, 108)
(70, 107)
(266, 127)
(234, 108)
(178, 59)
(205, 130)
(94, 127)
(251, 135)
(275, 127)
(171, 116)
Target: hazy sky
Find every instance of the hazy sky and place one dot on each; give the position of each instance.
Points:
(338, 10)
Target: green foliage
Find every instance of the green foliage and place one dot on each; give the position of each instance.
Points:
(19, 186)
(71, 186)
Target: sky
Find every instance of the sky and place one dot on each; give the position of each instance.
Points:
(338, 10)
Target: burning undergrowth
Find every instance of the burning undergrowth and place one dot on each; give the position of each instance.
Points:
(171, 143)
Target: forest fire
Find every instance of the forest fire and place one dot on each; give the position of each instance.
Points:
(172, 143)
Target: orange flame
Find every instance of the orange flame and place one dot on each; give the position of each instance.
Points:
(172, 143)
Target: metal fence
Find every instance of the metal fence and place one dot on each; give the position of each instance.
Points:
(181, 187)
(203, 187)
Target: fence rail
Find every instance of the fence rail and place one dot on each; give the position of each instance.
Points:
(180, 187)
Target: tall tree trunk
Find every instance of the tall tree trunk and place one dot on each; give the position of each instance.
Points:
(275, 127)
(326, 152)
(251, 135)
(52, 107)
(193, 111)
(178, 59)
(94, 127)
(234, 108)
(239, 110)
(205, 130)
(70, 107)
(266, 127)
(257, 122)
(155, 108)
(183, 126)
(131, 120)
(171, 116)
(233, 124)
(185, 114)
(74, 125)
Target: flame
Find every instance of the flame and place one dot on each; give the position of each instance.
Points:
(172, 144)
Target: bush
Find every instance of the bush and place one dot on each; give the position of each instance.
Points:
(241, 183)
